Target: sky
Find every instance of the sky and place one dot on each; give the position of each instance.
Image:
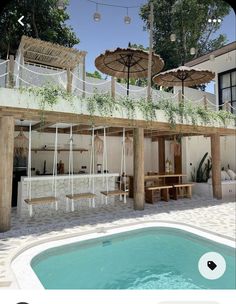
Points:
(111, 31)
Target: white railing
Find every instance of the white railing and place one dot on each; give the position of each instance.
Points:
(38, 76)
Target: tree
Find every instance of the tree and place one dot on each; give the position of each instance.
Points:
(43, 19)
(95, 74)
(188, 20)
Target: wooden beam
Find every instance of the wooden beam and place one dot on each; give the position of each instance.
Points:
(57, 117)
(40, 126)
(138, 141)
(216, 166)
(161, 155)
(6, 169)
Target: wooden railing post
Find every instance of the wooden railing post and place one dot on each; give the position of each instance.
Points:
(205, 102)
(113, 87)
(6, 169)
(69, 81)
(10, 78)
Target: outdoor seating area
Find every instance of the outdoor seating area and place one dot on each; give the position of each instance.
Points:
(104, 140)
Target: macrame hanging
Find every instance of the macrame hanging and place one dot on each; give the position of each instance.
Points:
(21, 143)
(98, 144)
(128, 145)
(175, 147)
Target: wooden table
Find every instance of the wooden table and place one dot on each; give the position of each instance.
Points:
(160, 179)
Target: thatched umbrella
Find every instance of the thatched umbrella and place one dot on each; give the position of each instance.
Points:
(183, 76)
(127, 63)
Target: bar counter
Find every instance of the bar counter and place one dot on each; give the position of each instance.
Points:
(41, 186)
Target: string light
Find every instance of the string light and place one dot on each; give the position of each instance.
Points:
(214, 20)
(97, 15)
(127, 18)
(60, 4)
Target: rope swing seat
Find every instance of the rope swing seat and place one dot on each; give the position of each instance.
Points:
(117, 192)
(41, 200)
(72, 197)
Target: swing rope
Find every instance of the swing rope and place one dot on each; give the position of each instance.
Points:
(41, 200)
(123, 167)
(82, 195)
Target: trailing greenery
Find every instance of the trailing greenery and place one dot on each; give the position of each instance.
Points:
(49, 95)
(104, 105)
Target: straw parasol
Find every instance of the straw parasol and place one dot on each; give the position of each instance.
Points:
(184, 76)
(127, 63)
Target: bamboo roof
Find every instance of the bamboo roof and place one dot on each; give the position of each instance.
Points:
(50, 54)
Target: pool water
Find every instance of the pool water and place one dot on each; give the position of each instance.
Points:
(149, 258)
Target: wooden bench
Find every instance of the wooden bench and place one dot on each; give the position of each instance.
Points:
(150, 193)
(182, 190)
(115, 193)
(78, 196)
(41, 201)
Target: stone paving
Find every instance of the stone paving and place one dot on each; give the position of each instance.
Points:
(205, 213)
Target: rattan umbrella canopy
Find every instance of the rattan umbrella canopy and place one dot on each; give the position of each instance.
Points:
(184, 76)
(127, 63)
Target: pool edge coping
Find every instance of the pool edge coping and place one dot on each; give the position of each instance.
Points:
(26, 253)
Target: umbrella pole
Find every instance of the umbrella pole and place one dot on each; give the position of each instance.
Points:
(128, 81)
(182, 98)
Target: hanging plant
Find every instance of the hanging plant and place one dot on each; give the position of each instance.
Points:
(129, 105)
(147, 108)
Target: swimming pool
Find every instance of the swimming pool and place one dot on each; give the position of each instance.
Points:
(148, 258)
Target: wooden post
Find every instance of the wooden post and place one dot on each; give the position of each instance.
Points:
(205, 102)
(10, 79)
(84, 77)
(216, 166)
(149, 86)
(161, 154)
(69, 81)
(6, 169)
(139, 199)
(180, 97)
(113, 87)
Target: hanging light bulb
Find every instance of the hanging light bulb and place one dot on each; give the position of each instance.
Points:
(172, 37)
(60, 4)
(127, 19)
(209, 20)
(192, 51)
(96, 15)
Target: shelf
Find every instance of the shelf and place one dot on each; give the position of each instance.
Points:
(59, 150)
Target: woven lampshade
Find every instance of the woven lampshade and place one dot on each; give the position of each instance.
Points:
(21, 144)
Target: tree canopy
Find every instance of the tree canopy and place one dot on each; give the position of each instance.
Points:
(95, 74)
(43, 19)
(188, 20)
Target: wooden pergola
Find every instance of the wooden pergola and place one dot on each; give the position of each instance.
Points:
(82, 125)
(45, 53)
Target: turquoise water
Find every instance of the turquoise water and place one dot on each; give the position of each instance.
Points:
(149, 258)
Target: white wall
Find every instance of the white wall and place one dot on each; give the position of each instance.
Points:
(193, 149)
(228, 152)
(218, 65)
(196, 146)
(39, 140)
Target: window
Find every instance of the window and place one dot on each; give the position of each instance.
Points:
(227, 89)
